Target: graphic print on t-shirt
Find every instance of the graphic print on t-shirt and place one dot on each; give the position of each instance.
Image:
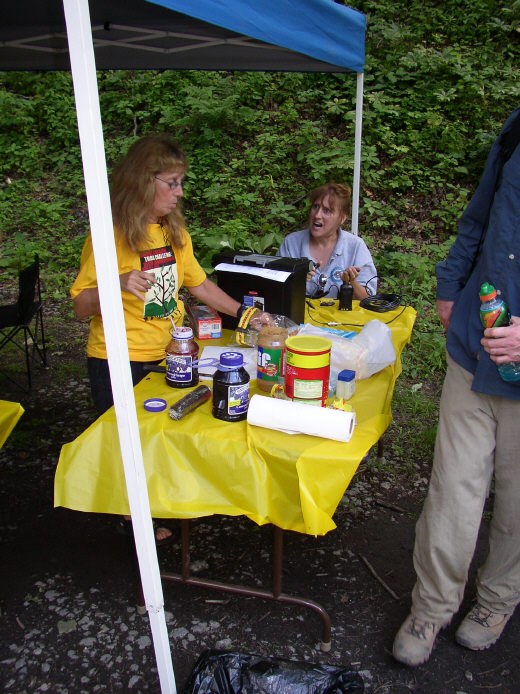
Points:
(160, 298)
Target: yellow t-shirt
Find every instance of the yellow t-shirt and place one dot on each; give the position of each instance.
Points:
(148, 324)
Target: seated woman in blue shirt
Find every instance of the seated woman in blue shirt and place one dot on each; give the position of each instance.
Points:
(335, 252)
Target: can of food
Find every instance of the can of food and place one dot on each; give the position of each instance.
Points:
(307, 369)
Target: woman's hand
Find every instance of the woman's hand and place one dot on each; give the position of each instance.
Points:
(259, 319)
(86, 303)
(503, 344)
(311, 274)
(136, 282)
(350, 274)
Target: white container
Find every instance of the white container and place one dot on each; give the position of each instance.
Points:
(346, 385)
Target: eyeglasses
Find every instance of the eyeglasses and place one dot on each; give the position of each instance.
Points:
(172, 185)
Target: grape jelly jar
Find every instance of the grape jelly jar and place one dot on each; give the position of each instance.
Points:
(181, 359)
(230, 388)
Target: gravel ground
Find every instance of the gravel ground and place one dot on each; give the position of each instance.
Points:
(68, 585)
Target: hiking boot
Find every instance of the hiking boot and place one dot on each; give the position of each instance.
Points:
(414, 641)
(481, 628)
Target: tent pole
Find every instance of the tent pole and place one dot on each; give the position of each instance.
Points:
(357, 153)
(83, 66)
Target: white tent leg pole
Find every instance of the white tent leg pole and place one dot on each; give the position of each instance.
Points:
(96, 182)
(357, 154)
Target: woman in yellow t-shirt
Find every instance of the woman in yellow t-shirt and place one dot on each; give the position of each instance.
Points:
(155, 259)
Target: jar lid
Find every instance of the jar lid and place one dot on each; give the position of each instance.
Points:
(308, 344)
(487, 292)
(346, 375)
(182, 332)
(154, 404)
(233, 359)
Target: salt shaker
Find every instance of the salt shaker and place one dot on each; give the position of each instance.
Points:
(346, 384)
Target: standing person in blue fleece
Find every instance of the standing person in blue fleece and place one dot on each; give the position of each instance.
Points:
(478, 436)
(334, 251)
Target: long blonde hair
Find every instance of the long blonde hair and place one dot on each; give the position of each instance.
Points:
(133, 189)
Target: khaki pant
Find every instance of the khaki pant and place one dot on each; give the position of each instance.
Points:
(478, 436)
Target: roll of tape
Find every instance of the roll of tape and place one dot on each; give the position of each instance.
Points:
(155, 405)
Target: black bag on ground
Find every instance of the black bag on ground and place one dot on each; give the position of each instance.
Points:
(222, 672)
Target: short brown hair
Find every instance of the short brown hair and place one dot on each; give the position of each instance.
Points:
(340, 197)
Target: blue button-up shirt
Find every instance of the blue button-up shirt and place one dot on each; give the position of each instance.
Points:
(459, 276)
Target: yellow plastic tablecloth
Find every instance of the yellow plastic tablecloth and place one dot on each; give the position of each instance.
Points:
(200, 466)
(10, 413)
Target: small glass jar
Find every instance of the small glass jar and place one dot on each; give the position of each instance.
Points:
(182, 353)
(346, 385)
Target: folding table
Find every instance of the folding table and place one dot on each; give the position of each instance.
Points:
(200, 466)
(10, 413)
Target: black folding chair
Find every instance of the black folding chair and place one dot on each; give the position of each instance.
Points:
(25, 316)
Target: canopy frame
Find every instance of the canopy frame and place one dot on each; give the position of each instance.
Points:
(24, 45)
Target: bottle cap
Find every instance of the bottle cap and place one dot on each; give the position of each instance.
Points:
(346, 375)
(182, 332)
(232, 359)
(155, 405)
(487, 292)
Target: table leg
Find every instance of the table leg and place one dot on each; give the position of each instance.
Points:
(250, 591)
(291, 599)
(380, 449)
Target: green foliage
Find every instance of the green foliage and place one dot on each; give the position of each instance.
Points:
(19, 252)
(414, 427)
(233, 234)
(438, 84)
(409, 269)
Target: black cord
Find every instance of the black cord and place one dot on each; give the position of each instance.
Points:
(379, 303)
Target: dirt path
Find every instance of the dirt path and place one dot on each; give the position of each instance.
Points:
(67, 583)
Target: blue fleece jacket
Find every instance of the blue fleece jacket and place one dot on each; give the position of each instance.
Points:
(498, 261)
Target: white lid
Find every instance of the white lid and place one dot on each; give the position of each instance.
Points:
(182, 332)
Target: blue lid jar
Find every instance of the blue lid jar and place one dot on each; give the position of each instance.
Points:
(232, 360)
(346, 384)
(346, 375)
(230, 388)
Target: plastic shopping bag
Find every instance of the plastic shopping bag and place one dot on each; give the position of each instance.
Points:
(220, 672)
(366, 353)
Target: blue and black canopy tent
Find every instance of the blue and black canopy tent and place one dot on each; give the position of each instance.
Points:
(317, 35)
(286, 35)
(85, 35)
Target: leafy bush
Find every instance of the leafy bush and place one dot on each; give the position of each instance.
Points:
(439, 82)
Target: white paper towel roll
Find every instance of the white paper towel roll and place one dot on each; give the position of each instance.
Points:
(295, 417)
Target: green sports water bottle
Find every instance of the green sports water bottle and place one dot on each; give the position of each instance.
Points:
(494, 313)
